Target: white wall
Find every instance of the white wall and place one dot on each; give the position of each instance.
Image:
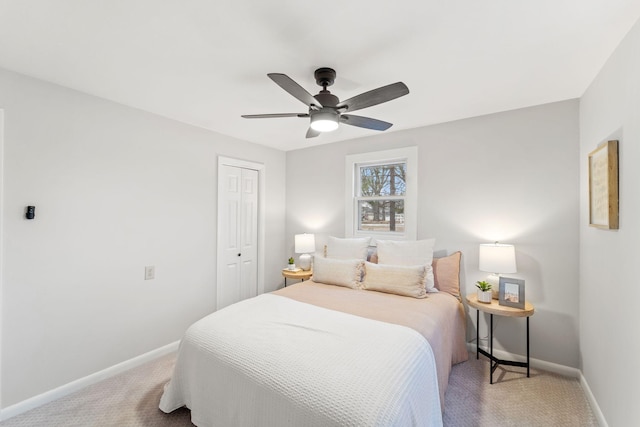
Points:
(609, 292)
(115, 189)
(511, 177)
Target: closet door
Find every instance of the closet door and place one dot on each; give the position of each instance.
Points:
(238, 234)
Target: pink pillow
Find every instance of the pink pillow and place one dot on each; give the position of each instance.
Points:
(446, 273)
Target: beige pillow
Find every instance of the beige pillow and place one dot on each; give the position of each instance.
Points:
(416, 252)
(402, 280)
(446, 272)
(339, 272)
(351, 248)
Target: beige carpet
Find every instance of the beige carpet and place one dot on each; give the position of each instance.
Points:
(544, 399)
(131, 400)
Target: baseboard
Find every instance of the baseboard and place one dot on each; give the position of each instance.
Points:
(64, 390)
(593, 402)
(557, 369)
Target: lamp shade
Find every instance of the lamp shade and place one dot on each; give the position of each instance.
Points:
(305, 243)
(497, 258)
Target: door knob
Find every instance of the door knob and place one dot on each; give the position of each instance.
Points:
(239, 254)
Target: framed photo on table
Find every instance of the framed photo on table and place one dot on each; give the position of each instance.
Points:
(511, 292)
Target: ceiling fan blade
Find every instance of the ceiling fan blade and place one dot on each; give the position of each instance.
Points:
(272, 116)
(312, 133)
(364, 122)
(297, 91)
(375, 97)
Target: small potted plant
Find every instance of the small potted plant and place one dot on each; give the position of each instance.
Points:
(292, 264)
(484, 291)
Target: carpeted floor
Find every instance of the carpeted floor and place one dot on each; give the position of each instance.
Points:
(131, 400)
(544, 399)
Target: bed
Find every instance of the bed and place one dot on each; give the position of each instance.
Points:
(325, 354)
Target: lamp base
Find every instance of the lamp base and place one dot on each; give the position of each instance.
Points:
(494, 281)
(305, 262)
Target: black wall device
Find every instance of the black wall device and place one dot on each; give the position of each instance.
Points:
(31, 212)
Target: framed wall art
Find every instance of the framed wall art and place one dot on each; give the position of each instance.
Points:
(511, 292)
(603, 186)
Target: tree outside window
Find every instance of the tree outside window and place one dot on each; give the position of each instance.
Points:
(381, 196)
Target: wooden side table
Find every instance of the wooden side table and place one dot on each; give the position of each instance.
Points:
(300, 274)
(501, 310)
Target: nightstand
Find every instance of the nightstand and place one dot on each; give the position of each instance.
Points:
(300, 274)
(500, 310)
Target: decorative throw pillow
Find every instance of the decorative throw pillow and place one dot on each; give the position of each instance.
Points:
(446, 272)
(350, 248)
(417, 252)
(402, 280)
(339, 272)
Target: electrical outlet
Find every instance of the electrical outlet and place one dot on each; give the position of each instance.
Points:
(149, 272)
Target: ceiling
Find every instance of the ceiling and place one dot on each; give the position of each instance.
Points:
(205, 62)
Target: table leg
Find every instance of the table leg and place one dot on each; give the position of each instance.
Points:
(491, 358)
(528, 347)
(477, 334)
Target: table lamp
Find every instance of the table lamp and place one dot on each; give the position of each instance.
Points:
(497, 258)
(305, 244)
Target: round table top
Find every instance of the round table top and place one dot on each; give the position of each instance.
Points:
(501, 310)
(299, 274)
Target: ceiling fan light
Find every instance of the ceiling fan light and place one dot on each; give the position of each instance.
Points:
(324, 121)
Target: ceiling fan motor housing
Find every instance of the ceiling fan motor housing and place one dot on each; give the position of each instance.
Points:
(327, 99)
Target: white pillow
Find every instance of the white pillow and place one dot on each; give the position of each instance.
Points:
(417, 252)
(405, 280)
(352, 248)
(340, 272)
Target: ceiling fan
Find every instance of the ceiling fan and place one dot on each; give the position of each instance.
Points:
(326, 110)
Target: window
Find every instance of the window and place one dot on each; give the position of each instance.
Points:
(381, 194)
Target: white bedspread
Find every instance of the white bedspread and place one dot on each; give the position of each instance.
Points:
(273, 361)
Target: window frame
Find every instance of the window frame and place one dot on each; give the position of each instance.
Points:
(353, 162)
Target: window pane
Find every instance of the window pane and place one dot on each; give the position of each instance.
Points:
(381, 215)
(383, 180)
